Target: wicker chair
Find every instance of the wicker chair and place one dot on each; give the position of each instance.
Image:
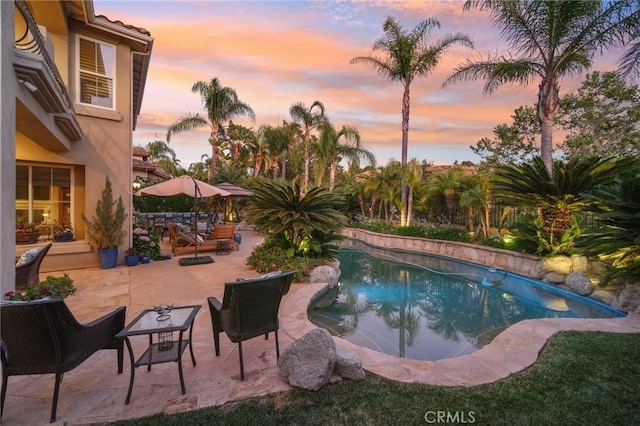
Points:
(42, 337)
(29, 272)
(249, 309)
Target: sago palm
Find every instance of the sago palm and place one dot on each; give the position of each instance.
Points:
(617, 240)
(301, 220)
(558, 195)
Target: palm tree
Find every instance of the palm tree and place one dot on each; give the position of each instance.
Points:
(385, 186)
(448, 184)
(549, 39)
(413, 176)
(170, 165)
(309, 119)
(292, 134)
(407, 56)
(259, 151)
(222, 104)
(159, 149)
(479, 197)
(331, 151)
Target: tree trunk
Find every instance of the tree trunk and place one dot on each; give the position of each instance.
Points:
(284, 165)
(256, 170)
(548, 99)
(305, 178)
(332, 175)
(409, 206)
(405, 142)
(212, 168)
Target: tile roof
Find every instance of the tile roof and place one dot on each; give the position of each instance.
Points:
(139, 151)
(122, 24)
(150, 168)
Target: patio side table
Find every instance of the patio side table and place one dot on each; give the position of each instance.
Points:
(180, 319)
(223, 246)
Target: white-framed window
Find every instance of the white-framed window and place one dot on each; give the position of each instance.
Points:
(96, 72)
(43, 194)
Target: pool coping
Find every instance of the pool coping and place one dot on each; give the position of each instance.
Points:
(513, 350)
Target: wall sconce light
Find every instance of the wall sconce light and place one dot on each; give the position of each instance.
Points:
(136, 184)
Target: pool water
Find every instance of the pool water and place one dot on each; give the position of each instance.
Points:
(427, 307)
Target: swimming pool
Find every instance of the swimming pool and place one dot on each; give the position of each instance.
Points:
(427, 307)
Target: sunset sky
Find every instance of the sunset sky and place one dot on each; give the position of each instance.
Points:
(277, 53)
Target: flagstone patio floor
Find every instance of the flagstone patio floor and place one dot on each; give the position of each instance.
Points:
(93, 393)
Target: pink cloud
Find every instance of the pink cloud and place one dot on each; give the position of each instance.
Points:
(278, 53)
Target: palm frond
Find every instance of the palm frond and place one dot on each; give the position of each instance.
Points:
(188, 121)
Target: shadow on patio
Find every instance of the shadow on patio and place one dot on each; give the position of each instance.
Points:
(94, 392)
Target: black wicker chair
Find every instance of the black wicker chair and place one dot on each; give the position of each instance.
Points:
(42, 337)
(249, 309)
(29, 272)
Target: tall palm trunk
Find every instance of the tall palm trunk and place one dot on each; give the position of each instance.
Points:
(214, 160)
(284, 165)
(405, 143)
(305, 178)
(548, 99)
(409, 206)
(332, 175)
(258, 166)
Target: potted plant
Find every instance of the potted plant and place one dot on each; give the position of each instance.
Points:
(147, 244)
(27, 233)
(105, 230)
(145, 257)
(51, 288)
(131, 256)
(62, 233)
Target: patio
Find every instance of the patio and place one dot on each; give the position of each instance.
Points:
(93, 392)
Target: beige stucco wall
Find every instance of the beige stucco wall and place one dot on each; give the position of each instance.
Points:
(105, 149)
(8, 83)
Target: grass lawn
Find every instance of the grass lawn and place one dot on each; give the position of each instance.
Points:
(580, 378)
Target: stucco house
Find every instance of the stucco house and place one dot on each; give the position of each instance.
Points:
(71, 90)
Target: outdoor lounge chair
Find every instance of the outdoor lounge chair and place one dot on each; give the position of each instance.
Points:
(43, 336)
(184, 242)
(249, 309)
(225, 232)
(29, 272)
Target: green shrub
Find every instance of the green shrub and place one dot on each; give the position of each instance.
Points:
(303, 224)
(411, 231)
(269, 256)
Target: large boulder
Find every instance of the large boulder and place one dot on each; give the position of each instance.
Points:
(324, 274)
(580, 263)
(604, 296)
(554, 278)
(309, 361)
(628, 299)
(348, 365)
(579, 283)
(559, 264)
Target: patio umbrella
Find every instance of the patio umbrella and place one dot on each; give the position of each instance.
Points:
(187, 185)
(184, 185)
(234, 190)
